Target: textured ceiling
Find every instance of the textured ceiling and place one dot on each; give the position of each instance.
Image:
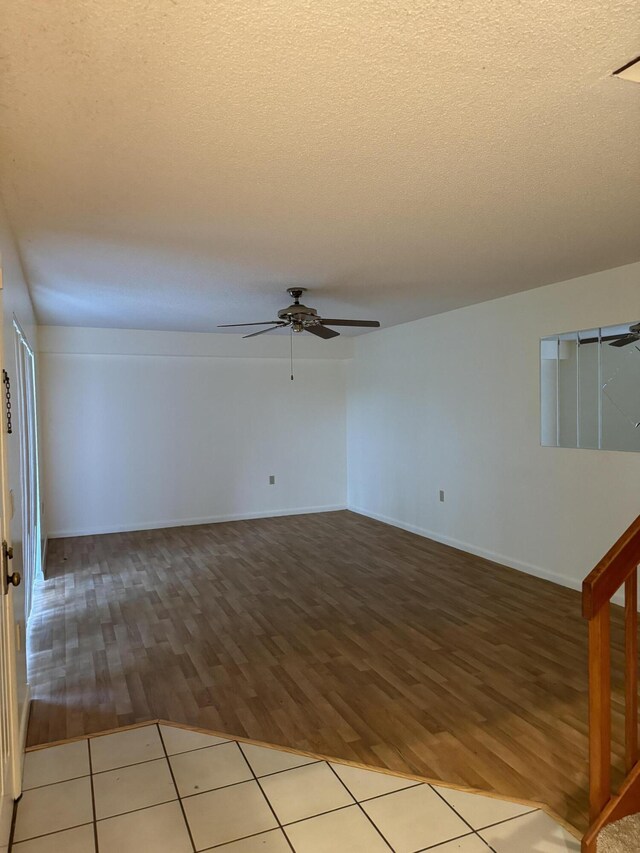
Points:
(176, 164)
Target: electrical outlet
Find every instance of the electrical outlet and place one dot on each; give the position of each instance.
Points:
(272, 479)
(441, 496)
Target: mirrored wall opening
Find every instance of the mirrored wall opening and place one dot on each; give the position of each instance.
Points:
(590, 389)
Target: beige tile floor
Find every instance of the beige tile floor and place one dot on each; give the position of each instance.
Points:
(165, 789)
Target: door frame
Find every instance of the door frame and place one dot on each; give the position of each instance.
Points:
(26, 393)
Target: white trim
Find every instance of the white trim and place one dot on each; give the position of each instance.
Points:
(7, 803)
(24, 724)
(6, 819)
(186, 522)
(502, 559)
(44, 543)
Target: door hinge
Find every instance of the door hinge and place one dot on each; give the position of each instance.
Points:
(14, 578)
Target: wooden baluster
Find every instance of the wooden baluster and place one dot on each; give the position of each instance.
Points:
(599, 712)
(631, 669)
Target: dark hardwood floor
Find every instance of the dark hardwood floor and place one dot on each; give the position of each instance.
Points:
(330, 633)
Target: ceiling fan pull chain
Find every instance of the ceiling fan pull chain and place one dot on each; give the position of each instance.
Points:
(291, 350)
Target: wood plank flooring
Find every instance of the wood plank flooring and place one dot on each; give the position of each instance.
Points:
(330, 633)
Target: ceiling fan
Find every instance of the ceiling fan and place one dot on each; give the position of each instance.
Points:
(615, 340)
(302, 319)
(631, 337)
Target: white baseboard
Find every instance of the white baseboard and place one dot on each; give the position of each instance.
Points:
(494, 556)
(187, 522)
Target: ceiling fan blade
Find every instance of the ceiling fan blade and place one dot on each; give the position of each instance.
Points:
(374, 324)
(234, 325)
(320, 332)
(262, 331)
(624, 341)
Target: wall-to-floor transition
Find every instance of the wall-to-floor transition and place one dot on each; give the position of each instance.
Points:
(147, 429)
(154, 429)
(451, 403)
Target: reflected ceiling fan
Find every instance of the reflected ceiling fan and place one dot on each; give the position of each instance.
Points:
(300, 318)
(631, 337)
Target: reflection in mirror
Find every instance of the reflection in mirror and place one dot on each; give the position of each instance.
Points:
(590, 388)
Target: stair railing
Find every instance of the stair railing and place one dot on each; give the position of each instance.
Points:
(619, 567)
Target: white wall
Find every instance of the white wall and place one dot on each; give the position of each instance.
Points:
(16, 302)
(153, 428)
(146, 429)
(452, 402)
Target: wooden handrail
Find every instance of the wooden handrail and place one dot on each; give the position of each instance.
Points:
(602, 583)
(618, 567)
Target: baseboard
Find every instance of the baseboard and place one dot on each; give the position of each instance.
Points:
(494, 556)
(188, 522)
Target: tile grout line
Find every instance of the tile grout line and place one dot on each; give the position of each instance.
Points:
(93, 798)
(255, 778)
(273, 811)
(379, 796)
(175, 785)
(474, 831)
(60, 782)
(286, 769)
(134, 811)
(362, 811)
(509, 819)
(50, 834)
(449, 841)
(14, 816)
(245, 838)
(320, 814)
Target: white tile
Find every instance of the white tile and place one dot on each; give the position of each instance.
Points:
(534, 831)
(182, 740)
(265, 761)
(267, 842)
(78, 840)
(123, 748)
(304, 792)
(54, 807)
(344, 831)
(414, 819)
(136, 787)
(160, 829)
(365, 784)
(468, 844)
(55, 764)
(209, 768)
(227, 814)
(479, 810)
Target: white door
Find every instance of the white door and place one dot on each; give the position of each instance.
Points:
(10, 753)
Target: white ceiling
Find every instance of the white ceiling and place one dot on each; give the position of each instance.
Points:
(174, 165)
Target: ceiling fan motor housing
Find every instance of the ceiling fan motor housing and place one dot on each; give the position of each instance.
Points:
(299, 314)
